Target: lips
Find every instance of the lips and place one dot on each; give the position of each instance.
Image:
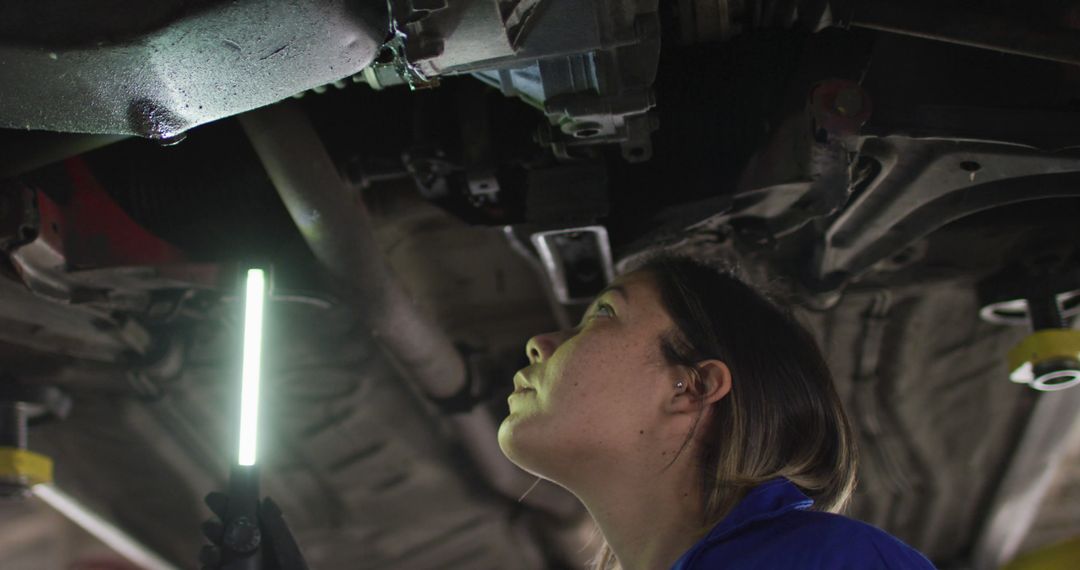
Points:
(520, 385)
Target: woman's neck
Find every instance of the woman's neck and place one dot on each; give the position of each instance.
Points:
(648, 517)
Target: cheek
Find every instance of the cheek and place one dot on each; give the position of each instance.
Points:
(586, 403)
(544, 429)
(583, 382)
(608, 398)
(601, 373)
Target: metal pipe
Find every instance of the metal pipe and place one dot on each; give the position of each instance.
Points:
(338, 229)
(103, 530)
(13, 424)
(983, 31)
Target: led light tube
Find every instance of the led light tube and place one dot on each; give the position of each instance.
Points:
(249, 379)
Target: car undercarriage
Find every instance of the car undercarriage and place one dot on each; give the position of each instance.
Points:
(434, 181)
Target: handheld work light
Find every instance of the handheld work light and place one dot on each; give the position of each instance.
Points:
(241, 537)
(254, 299)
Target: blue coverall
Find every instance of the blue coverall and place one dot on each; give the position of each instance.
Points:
(772, 529)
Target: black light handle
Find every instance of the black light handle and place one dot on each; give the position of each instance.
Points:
(242, 539)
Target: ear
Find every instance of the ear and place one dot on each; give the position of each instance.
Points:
(706, 384)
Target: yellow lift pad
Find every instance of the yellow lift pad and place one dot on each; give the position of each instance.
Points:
(25, 466)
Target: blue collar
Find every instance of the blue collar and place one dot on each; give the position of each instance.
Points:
(766, 501)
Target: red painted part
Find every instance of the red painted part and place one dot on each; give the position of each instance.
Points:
(828, 111)
(92, 231)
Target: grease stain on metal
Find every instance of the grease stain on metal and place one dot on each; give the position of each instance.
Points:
(154, 121)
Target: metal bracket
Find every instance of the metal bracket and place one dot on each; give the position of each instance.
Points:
(576, 260)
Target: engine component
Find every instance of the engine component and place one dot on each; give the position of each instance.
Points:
(589, 67)
(170, 66)
(586, 100)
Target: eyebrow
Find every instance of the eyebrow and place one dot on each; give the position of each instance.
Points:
(617, 289)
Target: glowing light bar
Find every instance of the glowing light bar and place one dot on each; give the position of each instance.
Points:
(249, 384)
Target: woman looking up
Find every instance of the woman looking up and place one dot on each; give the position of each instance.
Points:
(699, 425)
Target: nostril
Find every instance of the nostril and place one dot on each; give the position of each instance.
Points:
(540, 347)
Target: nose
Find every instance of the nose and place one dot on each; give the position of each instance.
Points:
(540, 347)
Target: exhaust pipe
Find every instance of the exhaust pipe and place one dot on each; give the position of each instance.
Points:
(339, 231)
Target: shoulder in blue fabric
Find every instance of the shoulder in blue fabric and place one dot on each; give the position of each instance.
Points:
(772, 527)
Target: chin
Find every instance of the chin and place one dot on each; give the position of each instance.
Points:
(514, 448)
(507, 442)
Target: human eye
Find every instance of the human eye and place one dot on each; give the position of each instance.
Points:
(603, 310)
(597, 310)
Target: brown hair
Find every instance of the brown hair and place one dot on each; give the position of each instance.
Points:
(783, 411)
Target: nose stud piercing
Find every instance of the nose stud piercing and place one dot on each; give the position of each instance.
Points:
(680, 385)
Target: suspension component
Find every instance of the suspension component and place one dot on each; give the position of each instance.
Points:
(1049, 358)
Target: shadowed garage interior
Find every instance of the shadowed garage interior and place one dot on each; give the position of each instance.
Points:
(433, 182)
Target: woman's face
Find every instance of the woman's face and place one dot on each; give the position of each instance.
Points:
(596, 393)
